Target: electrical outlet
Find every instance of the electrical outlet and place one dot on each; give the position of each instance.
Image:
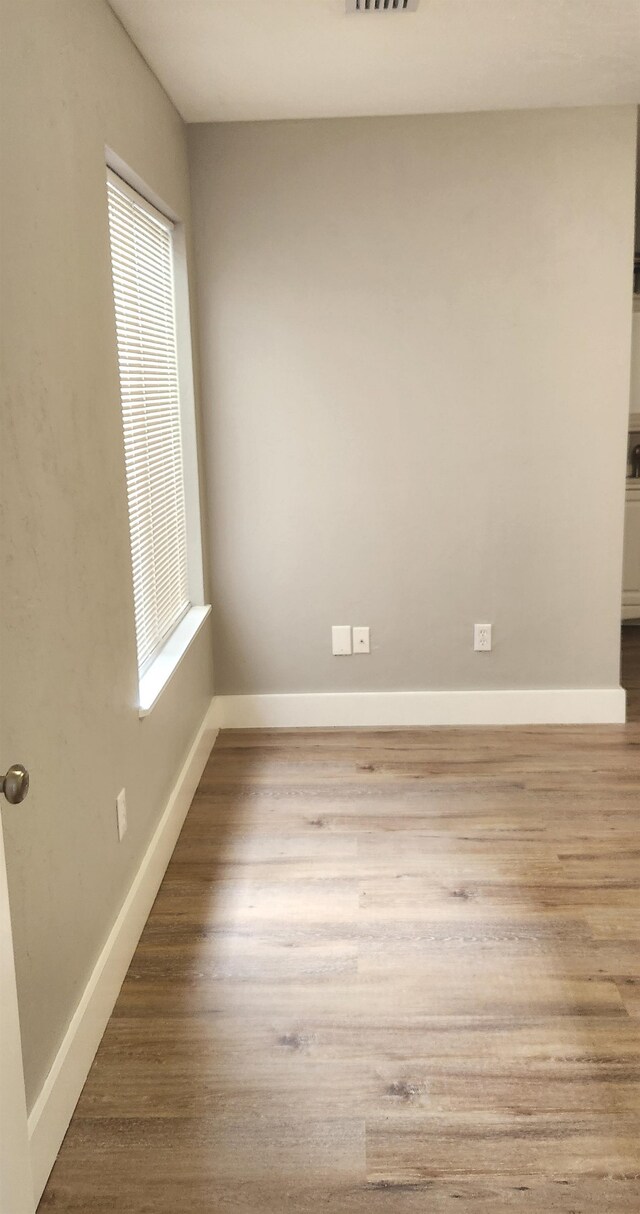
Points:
(482, 638)
(341, 640)
(361, 640)
(121, 813)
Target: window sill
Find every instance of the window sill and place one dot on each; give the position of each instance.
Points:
(155, 679)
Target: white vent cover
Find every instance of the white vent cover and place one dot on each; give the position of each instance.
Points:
(382, 6)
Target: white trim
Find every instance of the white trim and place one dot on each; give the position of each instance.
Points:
(574, 706)
(52, 1111)
(140, 200)
(216, 712)
(121, 169)
(188, 423)
(164, 665)
(15, 1163)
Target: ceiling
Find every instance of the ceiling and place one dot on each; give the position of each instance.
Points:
(230, 60)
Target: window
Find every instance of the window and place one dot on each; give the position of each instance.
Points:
(143, 248)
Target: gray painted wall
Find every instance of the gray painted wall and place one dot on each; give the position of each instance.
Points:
(415, 339)
(73, 83)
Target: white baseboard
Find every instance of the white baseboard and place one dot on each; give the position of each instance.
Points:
(51, 1113)
(578, 706)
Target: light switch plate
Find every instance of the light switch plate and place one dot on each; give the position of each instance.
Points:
(361, 640)
(341, 639)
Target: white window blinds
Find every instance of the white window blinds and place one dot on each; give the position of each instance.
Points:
(143, 287)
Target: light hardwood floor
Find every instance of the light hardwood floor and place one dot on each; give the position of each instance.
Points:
(387, 971)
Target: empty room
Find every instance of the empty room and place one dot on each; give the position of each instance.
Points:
(320, 607)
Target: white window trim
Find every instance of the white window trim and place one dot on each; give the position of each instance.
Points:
(166, 662)
(161, 669)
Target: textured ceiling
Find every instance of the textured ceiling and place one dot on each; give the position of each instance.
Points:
(225, 60)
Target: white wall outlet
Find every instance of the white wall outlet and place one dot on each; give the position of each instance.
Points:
(482, 638)
(341, 639)
(121, 813)
(361, 640)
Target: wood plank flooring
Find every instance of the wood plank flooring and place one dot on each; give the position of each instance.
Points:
(387, 972)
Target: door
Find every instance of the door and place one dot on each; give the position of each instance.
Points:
(631, 565)
(16, 1189)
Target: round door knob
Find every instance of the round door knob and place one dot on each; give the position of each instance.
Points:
(15, 785)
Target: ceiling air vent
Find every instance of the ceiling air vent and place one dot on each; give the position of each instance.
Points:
(382, 6)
